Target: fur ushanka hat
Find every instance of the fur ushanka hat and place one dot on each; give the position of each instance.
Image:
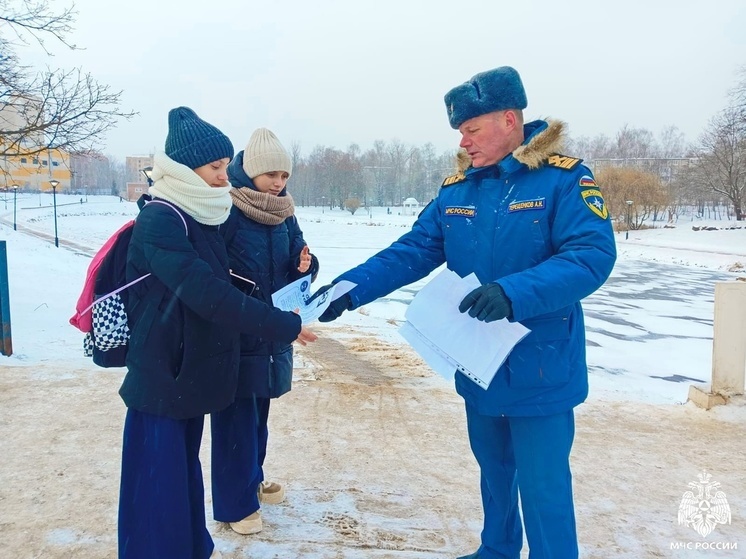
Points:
(487, 92)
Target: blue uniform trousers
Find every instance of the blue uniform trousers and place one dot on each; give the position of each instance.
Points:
(162, 496)
(239, 446)
(530, 455)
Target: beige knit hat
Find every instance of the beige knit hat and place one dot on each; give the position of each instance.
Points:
(264, 153)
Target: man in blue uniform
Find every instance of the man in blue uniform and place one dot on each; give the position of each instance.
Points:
(532, 225)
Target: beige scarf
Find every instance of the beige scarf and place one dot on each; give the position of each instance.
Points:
(180, 185)
(263, 207)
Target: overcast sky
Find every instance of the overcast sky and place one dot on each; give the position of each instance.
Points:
(336, 72)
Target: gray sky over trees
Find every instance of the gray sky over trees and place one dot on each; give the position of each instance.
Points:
(334, 72)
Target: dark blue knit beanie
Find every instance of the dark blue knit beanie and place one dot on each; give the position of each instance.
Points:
(487, 92)
(193, 142)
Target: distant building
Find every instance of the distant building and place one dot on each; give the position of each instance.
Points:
(29, 168)
(34, 172)
(135, 164)
(135, 190)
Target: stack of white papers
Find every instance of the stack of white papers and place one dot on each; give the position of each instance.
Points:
(449, 340)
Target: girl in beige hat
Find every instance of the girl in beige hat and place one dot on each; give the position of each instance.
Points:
(266, 246)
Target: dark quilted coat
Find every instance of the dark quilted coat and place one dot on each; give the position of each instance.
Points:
(269, 256)
(186, 318)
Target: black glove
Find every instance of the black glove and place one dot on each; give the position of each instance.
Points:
(335, 308)
(488, 303)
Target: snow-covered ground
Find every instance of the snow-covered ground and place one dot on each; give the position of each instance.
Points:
(651, 262)
(649, 339)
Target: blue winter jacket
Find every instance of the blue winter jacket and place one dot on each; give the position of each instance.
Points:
(269, 256)
(535, 223)
(185, 318)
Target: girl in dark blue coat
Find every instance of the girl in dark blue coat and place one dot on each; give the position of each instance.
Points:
(182, 361)
(265, 245)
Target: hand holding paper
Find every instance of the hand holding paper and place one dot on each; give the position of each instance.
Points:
(451, 341)
(336, 306)
(297, 295)
(487, 303)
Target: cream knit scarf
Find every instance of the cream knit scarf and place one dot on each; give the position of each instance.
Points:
(180, 185)
(262, 207)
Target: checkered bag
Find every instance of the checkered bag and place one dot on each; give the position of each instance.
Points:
(110, 327)
(88, 345)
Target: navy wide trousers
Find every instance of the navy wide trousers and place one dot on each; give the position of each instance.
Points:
(239, 446)
(162, 497)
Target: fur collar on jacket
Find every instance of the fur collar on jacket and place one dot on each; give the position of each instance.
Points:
(532, 153)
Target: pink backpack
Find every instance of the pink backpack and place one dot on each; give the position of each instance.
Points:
(82, 319)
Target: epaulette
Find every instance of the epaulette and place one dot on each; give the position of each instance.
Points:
(563, 161)
(453, 179)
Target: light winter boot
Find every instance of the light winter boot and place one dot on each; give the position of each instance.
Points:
(252, 524)
(271, 493)
(216, 554)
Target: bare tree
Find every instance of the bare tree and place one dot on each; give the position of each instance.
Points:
(635, 143)
(378, 172)
(672, 142)
(738, 94)
(590, 149)
(51, 109)
(722, 161)
(398, 155)
(327, 173)
(300, 181)
(351, 174)
(29, 19)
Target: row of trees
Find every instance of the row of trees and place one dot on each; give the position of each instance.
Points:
(72, 112)
(384, 175)
(635, 165)
(715, 174)
(93, 173)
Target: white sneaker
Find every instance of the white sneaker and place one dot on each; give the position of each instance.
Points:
(271, 493)
(252, 524)
(216, 554)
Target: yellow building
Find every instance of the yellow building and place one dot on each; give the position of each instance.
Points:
(34, 172)
(26, 166)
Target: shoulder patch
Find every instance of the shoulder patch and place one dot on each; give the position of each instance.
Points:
(563, 161)
(453, 179)
(594, 201)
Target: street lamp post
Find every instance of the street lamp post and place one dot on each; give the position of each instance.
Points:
(15, 193)
(54, 184)
(629, 224)
(323, 202)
